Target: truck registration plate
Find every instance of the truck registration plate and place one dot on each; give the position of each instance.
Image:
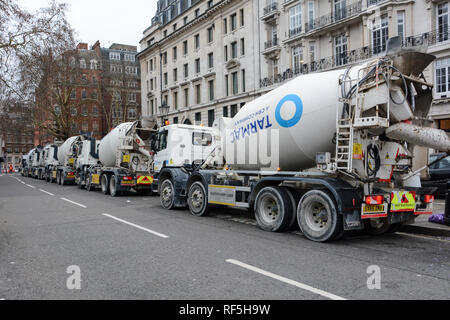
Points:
(373, 211)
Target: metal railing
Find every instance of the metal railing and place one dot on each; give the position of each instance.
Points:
(271, 43)
(295, 31)
(335, 16)
(270, 8)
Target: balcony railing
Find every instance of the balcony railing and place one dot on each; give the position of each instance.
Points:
(271, 43)
(335, 16)
(295, 31)
(352, 57)
(270, 8)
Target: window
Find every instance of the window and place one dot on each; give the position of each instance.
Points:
(297, 58)
(234, 110)
(165, 78)
(233, 22)
(83, 64)
(85, 126)
(197, 12)
(210, 34)
(175, 75)
(401, 24)
(94, 111)
(198, 94)
(295, 20)
(114, 56)
(340, 10)
(201, 138)
(442, 21)
(234, 78)
(211, 90)
(198, 120)
(164, 58)
(243, 79)
(241, 13)
(185, 47)
(225, 112)
(197, 41)
(94, 64)
(84, 111)
(227, 90)
(211, 117)
(312, 51)
(132, 97)
(132, 113)
(380, 35)
(95, 126)
(186, 97)
(225, 26)
(174, 53)
(175, 120)
(275, 67)
(443, 77)
(130, 58)
(210, 3)
(197, 66)
(340, 49)
(242, 47)
(83, 94)
(186, 70)
(185, 20)
(311, 15)
(73, 94)
(210, 60)
(225, 53)
(161, 142)
(234, 50)
(73, 111)
(175, 100)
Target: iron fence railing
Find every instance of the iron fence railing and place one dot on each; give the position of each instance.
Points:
(270, 8)
(271, 43)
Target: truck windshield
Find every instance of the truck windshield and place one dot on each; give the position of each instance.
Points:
(161, 143)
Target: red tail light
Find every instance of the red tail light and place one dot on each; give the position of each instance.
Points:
(429, 198)
(127, 178)
(374, 199)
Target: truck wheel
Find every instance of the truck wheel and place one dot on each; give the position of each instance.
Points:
(58, 178)
(395, 227)
(113, 186)
(318, 218)
(167, 194)
(105, 184)
(376, 227)
(273, 209)
(295, 199)
(198, 200)
(80, 183)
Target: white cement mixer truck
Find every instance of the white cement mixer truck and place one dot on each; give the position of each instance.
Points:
(37, 163)
(50, 157)
(64, 173)
(124, 160)
(361, 128)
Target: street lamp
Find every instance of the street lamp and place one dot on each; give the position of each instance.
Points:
(164, 108)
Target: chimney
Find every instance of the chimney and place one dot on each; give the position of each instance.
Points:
(82, 46)
(96, 48)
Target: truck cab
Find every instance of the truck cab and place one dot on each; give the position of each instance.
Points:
(50, 158)
(87, 156)
(179, 145)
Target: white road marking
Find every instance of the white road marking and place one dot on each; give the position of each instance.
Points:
(49, 193)
(286, 280)
(75, 203)
(137, 226)
(22, 182)
(30, 186)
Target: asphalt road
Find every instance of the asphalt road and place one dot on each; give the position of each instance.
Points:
(130, 248)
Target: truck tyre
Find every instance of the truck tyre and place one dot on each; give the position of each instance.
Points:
(318, 218)
(80, 183)
(273, 209)
(167, 194)
(198, 199)
(377, 227)
(395, 227)
(61, 179)
(105, 184)
(58, 178)
(295, 199)
(113, 186)
(47, 177)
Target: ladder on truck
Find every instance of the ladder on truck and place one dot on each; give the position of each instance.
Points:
(351, 120)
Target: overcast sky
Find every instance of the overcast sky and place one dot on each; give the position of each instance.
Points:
(110, 21)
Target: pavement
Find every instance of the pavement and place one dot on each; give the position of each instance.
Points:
(65, 243)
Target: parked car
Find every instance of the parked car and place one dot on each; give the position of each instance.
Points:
(439, 174)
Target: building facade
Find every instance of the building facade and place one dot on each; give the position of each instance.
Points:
(121, 88)
(199, 60)
(16, 134)
(242, 49)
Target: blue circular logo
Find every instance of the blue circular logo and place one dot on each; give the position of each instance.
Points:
(298, 111)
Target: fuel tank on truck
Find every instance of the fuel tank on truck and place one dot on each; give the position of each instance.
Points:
(295, 121)
(113, 141)
(66, 149)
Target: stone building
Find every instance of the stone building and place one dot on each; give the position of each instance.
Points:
(203, 59)
(199, 60)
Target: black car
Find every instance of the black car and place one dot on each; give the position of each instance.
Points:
(439, 174)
